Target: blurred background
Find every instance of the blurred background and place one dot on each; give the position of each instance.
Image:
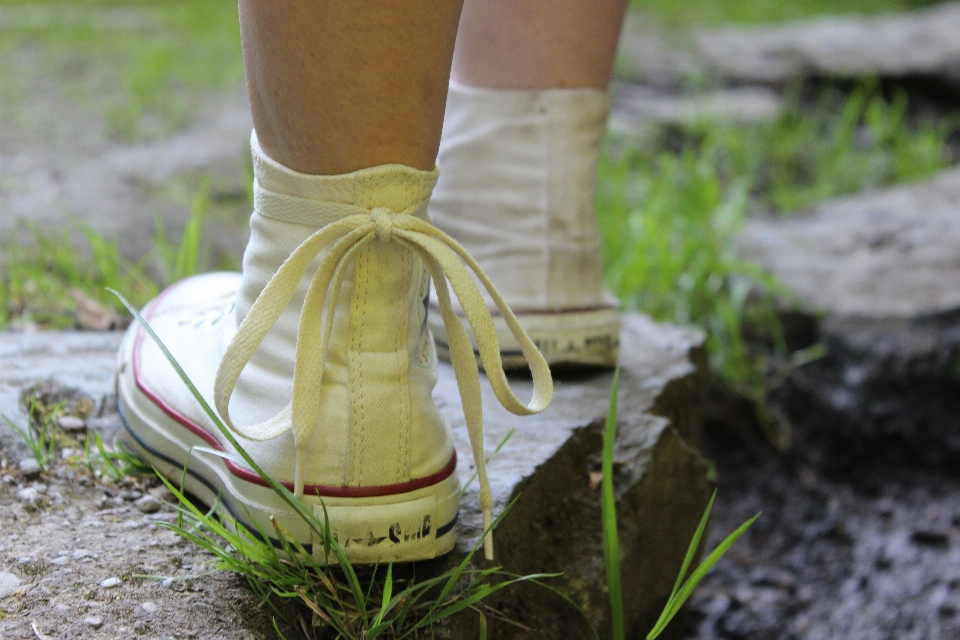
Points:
(778, 173)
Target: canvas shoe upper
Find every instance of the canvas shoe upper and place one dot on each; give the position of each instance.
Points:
(516, 189)
(320, 360)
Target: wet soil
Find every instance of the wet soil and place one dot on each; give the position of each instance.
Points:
(870, 555)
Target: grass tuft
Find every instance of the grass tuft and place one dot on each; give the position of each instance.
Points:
(670, 207)
(685, 584)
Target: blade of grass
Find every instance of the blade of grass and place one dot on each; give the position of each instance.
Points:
(611, 544)
(680, 597)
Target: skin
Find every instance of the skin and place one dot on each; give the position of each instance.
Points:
(537, 44)
(341, 85)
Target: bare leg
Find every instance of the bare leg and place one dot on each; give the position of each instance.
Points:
(537, 44)
(526, 114)
(341, 85)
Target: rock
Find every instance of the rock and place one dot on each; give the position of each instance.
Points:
(633, 107)
(554, 526)
(148, 504)
(905, 45)
(9, 583)
(93, 621)
(129, 495)
(110, 583)
(30, 468)
(78, 363)
(879, 274)
(149, 607)
(80, 554)
(72, 423)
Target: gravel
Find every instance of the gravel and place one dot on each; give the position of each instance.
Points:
(72, 423)
(93, 621)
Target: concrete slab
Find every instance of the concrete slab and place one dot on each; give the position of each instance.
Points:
(917, 44)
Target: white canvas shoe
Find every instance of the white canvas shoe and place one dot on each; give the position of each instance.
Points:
(318, 357)
(516, 189)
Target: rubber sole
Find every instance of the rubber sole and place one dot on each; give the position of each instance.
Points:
(401, 527)
(566, 338)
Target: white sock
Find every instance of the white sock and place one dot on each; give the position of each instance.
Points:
(516, 188)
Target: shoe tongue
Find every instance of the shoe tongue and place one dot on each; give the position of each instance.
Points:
(394, 186)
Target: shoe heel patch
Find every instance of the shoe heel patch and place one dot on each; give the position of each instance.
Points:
(380, 530)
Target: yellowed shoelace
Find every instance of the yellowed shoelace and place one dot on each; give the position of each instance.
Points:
(353, 227)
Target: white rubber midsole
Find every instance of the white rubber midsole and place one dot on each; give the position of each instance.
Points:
(588, 337)
(413, 525)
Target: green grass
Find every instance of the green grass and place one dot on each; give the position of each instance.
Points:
(46, 279)
(681, 14)
(47, 441)
(41, 437)
(145, 79)
(686, 581)
(40, 278)
(670, 207)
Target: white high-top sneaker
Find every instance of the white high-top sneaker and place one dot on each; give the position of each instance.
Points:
(319, 358)
(516, 189)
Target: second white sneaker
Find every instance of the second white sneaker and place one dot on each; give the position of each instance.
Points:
(516, 189)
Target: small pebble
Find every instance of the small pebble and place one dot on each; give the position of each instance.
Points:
(94, 621)
(25, 560)
(60, 561)
(29, 495)
(62, 608)
(167, 583)
(8, 479)
(30, 468)
(161, 493)
(40, 487)
(148, 504)
(132, 524)
(72, 423)
(81, 553)
(110, 583)
(149, 607)
(129, 496)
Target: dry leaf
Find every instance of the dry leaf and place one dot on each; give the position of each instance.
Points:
(92, 315)
(596, 477)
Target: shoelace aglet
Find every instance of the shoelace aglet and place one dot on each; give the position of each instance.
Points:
(488, 535)
(298, 474)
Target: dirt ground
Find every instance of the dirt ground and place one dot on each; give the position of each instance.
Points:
(73, 557)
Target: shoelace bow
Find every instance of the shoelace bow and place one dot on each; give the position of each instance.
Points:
(336, 243)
